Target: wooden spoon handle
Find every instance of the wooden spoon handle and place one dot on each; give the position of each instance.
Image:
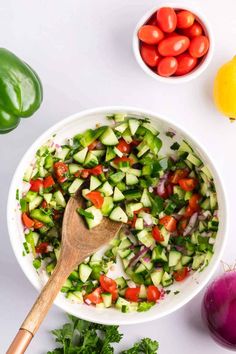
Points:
(41, 307)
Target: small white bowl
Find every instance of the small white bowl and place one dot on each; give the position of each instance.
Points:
(199, 68)
(78, 123)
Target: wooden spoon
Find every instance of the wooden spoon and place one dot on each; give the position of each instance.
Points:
(78, 242)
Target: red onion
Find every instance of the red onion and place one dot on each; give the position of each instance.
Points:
(191, 224)
(219, 309)
(147, 218)
(160, 189)
(138, 256)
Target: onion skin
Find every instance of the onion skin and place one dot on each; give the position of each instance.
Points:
(219, 310)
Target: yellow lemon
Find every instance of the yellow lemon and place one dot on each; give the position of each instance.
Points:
(225, 89)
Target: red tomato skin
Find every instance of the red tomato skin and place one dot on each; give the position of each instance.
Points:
(123, 146)
(194, 202)
(169, 223)
(181, 274)
(152, 20)
(166, 19)
(199, 46)
(27, 221)
(167, 66)
(186, 63)
(96, 198)
(132, 294)
(178, 174)
(188, 184)
(174, 45)
(95, 296)
(150, 34)
(36, 185)
(107, 283)
(149, 54)
(185, 19)
(42, 248)
(194, 31)
(153, 293)
(156, 234)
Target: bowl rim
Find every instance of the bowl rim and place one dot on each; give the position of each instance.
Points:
(79, 116)
(200, 68)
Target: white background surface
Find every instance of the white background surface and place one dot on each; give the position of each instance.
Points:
(82, 52)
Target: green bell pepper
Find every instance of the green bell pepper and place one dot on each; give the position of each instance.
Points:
(21, 91)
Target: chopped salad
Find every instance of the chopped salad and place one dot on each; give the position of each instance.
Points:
(167, 204)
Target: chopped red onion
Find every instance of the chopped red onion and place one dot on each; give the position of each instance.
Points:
(160, 189)
(138, 256)
(191, 224)
(147, 218)
(216, 212)
(131, 284)
(171, 133)
(99, 145)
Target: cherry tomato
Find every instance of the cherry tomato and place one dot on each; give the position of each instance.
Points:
(27, 221)
(92, 145)
(193, 31)
(199, 46)
(178, 174)
(132, 294)
(94, 297)
(181, 274)
(119, 160)
(107, 283)
(156, 234)
(42, 248)
(149, 54)
(166, 19)
(36, 185)
(83, 174)
(153, 293)
(186, 63)
(185, 19)
(152, 21)
(96, 198)
(169, 222)
(173, 46)
(123, 146)
(95, 171)
(38, 224)
(194, 202)
(114, 294)
(188, 184)
(167, 66)
(48, 182)
(150, 34)
(60, 169)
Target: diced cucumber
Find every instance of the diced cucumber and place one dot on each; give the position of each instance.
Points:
(125, 243)
(110, 154)
(142, 292)
(146, 238)
(132, 207)
(107, 299)
(48, 164)
(40, 215)
(145, 199)
(30, 196)
(75, 185)
(97, 217)
(99, 153)
(166, 236)
(133, 125)
(118, 195)
(84, 272)
(131, 179)
(213, 224)
(124, 305)
(107, 189)
(60, 200)
(118, 214)
(91, 160)
(185, 147)
(118, 152)
(142, 148)
(139, 224)
(121, 127)
(119, 117)
(121, 282)
(186, 260)
(198, 261)
(124, 253)
(205, 204)
(47, 197)
(174, 258)
(179, 191)
(108, 137)
(159, 254)
(132, 194)
(127, 136)
(166, 279)
(147, 263)
(151, 128)
(194, 160)
(107, 206)
(62, 154)
(28, 174)
(140, 268)
(35, 203)
(75, 296)
(84, 192)
(74, 167)
(213, 201)
(188, 195)
(94, 183)
(156, 276)
(117, 177)
(206, 171)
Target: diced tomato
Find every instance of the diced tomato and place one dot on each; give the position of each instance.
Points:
(181, 274)
(36, 185)
(60, 169)
(44, 204)
(42, 248)
(117, 160)
(95, 171)
(123, 146)
(194, 202)
(48, 182)
(169, 222)
(38, 224)
(182, 224)
(107, 284)
(177, 175)
(188, 184)
(114, 294)
(83, 173)
(153, 293)
(156, 234)
(94, 297)
(145, 209)
(27, 221)
(92, 145)
(132, 294)
(135, 143)
(189, 211)
(133, 221)
(96, 198)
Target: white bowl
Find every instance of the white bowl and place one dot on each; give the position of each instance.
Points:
(68, 127)
(199, 68)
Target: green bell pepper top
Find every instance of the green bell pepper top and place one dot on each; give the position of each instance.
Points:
(21, 91)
